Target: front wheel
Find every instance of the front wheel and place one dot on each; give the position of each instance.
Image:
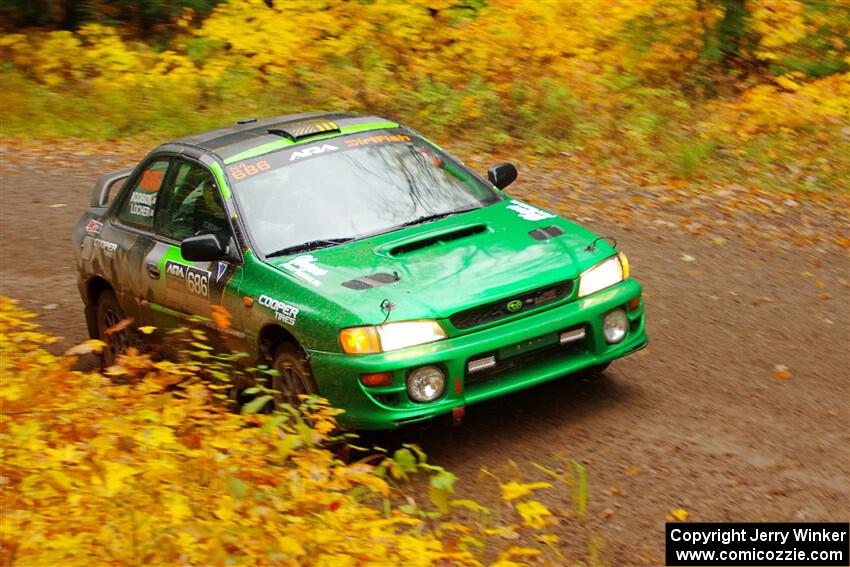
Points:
(294, 377)
(110, 314)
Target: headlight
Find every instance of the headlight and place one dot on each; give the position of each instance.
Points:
(604, 274)
(390, 336)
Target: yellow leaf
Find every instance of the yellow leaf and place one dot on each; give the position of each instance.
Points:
(158, 435)
(678, 514)
(290, 546)
(513, 490)
(147, 329)
(115, 475)
(90, 346)
(632, 470)
(178, 507)
(506, 532)
(534, 514)
(523, 551)
(787, 83)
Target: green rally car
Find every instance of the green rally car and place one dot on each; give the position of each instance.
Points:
(360, 260)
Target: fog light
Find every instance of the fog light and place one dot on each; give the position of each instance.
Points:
(426, 384)
(479, 364)
(615, 326)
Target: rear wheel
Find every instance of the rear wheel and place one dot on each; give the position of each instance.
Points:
(109, 314)
(294, 376)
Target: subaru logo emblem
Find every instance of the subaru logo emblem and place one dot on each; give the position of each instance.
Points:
(514, 306)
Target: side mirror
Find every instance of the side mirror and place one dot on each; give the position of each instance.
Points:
(204, 248)
(502, 175)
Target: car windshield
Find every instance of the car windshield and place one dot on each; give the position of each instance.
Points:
(331, 191)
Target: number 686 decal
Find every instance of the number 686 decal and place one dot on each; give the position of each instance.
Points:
(198, 282)
(193, 280)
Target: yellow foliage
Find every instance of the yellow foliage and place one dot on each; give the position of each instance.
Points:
(96, 472)
(624, 79)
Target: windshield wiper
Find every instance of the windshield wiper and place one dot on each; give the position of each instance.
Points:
(429, 218)
(310, 245)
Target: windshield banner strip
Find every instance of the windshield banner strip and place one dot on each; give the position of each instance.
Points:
(253, 166)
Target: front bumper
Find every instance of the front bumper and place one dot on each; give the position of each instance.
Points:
(388, 407)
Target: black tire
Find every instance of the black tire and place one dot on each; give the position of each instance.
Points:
(294, 375)
(109, 314)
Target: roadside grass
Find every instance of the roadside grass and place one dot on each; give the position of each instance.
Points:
(656, 135)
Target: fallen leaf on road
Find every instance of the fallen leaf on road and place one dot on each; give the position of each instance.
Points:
(90, 346)
(677, 514)
(824, 295)
(686, 258)
(781, 372)
(632, 470)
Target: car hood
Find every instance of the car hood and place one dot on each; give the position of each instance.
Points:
(439, 268)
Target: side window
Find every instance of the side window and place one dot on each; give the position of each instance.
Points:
(138, 210)
(192, 205)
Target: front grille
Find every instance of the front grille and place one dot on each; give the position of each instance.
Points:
(498, 309)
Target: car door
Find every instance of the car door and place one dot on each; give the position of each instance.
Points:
(129, 238)
(190, 203)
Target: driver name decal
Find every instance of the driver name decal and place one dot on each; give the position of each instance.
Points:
(528, 212)
(305, 268)
(142, 204)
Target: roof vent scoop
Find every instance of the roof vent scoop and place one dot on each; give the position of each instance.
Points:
(301, 130)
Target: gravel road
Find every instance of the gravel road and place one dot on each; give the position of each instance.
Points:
(739, 287)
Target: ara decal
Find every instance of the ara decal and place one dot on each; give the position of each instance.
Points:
(312, 151)
(93, 227)
(282, 311)
(306, 269)
(528, 212)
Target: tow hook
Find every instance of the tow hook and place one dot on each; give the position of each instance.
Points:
(457, 415)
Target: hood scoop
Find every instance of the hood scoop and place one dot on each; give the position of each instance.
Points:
(434, 239)
(546, 232)
(370, 281)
